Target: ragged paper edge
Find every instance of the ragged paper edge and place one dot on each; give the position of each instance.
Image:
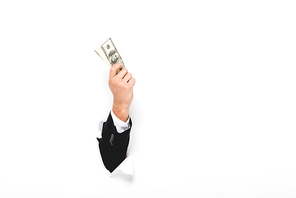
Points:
(125, 169)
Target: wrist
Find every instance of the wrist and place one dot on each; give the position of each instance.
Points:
(121, 112)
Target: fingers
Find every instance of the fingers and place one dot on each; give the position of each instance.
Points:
(132, 82)
(113, 69)
(122, 73)
(127, 77)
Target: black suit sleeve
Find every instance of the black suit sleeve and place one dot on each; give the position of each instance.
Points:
(113, 145)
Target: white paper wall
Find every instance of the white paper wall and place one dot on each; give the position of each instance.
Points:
(214, 102)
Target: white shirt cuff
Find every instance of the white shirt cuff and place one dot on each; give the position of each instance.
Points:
(119, 124)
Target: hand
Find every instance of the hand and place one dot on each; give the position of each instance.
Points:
(121, 86)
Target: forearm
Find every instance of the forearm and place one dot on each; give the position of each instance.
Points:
(121, 111)
(113, 144)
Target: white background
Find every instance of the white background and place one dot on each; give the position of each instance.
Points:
(214, 102)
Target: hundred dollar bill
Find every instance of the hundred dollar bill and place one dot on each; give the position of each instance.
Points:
(109, 54)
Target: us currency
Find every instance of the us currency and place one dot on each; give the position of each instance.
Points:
(109, 54)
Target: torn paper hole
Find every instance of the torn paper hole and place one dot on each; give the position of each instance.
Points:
(125, 169)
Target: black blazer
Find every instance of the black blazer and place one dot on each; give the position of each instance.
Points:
(113, 145)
